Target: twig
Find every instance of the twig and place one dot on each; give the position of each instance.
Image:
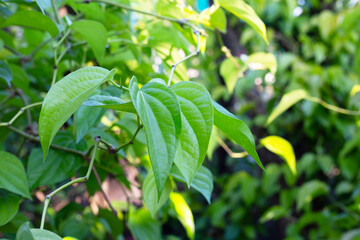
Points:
(173, 67)
(28, 114)
(332, 107)
(228, 150)
(102, 190)
(226, 51)
(77, 180)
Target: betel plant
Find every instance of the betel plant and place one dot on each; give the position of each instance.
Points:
(176, 117)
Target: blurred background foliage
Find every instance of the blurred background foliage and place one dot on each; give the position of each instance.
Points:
(313, 46)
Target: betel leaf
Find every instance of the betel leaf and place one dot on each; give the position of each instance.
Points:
(282, 148)
(202, 182)
(94, 34)
(262, 60)
(5, 72)
(236, 130)
(65, 97)
(243, 11)
(24, 232)
(143, 226)
(110, 102)
(42, 234)
(231, 70)
(32, 19)
(85, 119)
(197, 119)
(183, 213)
(286, 102)
(150, 193)
(159, 111)
(9, 205)
(308, 191)
(12, 175)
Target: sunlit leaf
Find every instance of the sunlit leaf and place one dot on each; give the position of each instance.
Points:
(355, 89)
(197, 121)
(65, 97)
(231, 71)
(150, 194)
(262, 60)
(243, 11)
(282, 148)
(159, 111)
(202, 181)
(183, 213)
(94, 34)
(236, 130)
(110, 102)
(273, 213)
(12, 175)
(32, 19)
(286, 102)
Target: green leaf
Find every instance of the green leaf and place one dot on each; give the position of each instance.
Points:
(197, 119)
(236, 130)
(65, 97)
(43, 5)
(231, 72)
(94, 34)
(202, 182)
(9, 205)
(85, 119)
(218, 18)
(32, 19)
(286, 102)
(143, 226)
(183, 213)
(243, 11)
(12, 175)
(5, 72)
(159, 111)
(110, 102)
(42, 234)
(24, 232)
(308, 191)
(282, 148)
(262, 60)
(151, 196)
(273, 213)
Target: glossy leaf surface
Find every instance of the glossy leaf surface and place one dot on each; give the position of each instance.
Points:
(202, 181)
(197, 121)
(32, 19)
(236, 130)
(12, 175)
(9, 205)
(159, 111)
(65, 97)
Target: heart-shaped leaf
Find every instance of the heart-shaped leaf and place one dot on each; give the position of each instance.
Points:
(110, 102)
(159, 111)
(202, 181)
(236, 130)
(197, 121)
(32, 19)
(12, 175)
(65, 97)
(150, 194)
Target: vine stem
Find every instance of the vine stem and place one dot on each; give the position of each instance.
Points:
(332, 107)
(197, 51)
(77, 180)
(229, 151)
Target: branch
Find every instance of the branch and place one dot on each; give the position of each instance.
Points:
(173, 67)
(102, 190)
(77, 180)
(228, 150)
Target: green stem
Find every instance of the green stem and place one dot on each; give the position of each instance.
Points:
(131, 141)
(77, 180)
(332, 107)
(173, 67)
(55, 11)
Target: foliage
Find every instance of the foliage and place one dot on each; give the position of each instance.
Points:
(131, 97)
